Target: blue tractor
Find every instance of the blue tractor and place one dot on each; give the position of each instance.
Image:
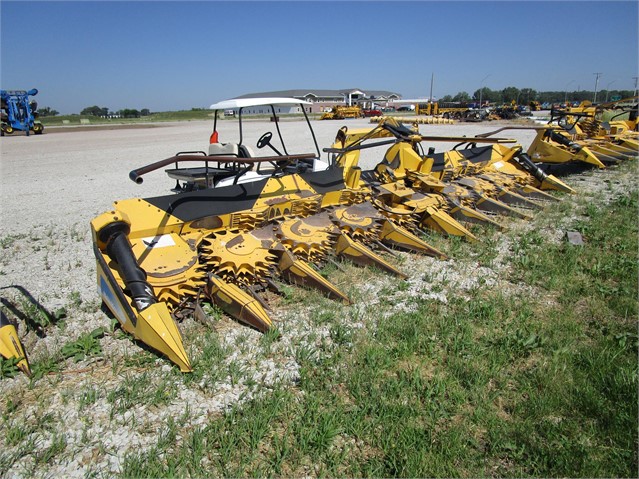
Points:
(18, 113)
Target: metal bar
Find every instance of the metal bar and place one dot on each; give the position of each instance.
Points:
(136, 175)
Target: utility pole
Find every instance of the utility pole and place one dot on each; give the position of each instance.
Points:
(432, 79)
(635, 79)
(598, 74)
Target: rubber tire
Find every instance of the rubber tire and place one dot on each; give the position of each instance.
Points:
(8, 129)
(38, 128)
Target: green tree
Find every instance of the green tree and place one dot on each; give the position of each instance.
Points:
(93, 110)
(461, 96)
(509, 94)
(129, 113)
(527, 95)
(487, 95)
(47, 111)
(145, 112)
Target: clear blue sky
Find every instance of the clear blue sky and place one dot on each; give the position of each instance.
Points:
(179, 55)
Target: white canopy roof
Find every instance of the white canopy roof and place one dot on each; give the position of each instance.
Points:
(246, 102)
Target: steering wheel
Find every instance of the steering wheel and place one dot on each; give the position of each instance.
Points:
(264, 140)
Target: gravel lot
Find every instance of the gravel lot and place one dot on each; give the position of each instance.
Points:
(52, 186)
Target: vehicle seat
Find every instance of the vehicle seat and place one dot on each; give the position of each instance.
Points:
(246, 151)
(224, 149)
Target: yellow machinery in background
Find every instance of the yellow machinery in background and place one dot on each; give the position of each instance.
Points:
(454, 110)
(342, 112)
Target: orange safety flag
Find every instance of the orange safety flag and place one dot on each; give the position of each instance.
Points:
(213, 138)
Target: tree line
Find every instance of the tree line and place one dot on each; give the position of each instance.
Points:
(521, 96)
(524, 96)
(105, 112)
(100, 111)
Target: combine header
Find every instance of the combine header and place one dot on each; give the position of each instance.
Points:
(240, 221)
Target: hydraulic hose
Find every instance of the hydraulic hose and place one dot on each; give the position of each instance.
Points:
(119, 250)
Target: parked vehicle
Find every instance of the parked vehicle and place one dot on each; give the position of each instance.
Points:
(372, 112)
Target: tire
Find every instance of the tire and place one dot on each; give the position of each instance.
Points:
(38, 128)
(8, 129)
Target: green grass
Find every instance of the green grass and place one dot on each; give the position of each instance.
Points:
(540, 382)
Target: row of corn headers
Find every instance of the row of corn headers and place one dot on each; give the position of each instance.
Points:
(241, 225)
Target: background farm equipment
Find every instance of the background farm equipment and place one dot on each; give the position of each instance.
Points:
(452, 110)
(342, 112)
(18, 113)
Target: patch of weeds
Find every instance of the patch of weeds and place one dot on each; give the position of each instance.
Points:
(11, 406)
(212, 311)
(58, 445)
(520, 343)
(206, 363)
(321, 316)
(341, 334)
(16, 433)
(315, 430)
(268, 339)
(488, 250)
(8, 241)
(37, 317)
(286, 292)
(44, 366)
(78, 233)
(164, 392)
(9, 367)
(88, 396)
(75, 299)
(86, 345)
(236, 371)
(242, 339)
(167, 435)
(134, 390)
(328, 269)
(46, 263)
(141, 359)
(306, 353)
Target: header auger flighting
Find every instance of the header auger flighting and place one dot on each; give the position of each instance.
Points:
(241, 221)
